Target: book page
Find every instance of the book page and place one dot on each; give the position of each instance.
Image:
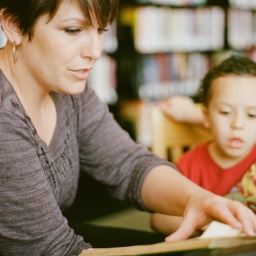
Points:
(217, 229)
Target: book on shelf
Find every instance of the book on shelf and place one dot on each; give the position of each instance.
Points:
(163, 75)
(103, 80)
(3, 38)
(163, 29)
(241, 22)
(110, 43)
(243, 4)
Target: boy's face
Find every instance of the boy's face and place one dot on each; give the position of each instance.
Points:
(231, 115)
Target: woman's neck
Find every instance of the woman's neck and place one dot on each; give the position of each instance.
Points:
(38, 103)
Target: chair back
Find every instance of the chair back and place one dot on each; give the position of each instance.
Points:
(170, 139)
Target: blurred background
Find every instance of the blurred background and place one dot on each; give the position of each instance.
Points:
(160, 48)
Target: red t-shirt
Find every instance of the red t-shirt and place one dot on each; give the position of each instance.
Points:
(237, 182)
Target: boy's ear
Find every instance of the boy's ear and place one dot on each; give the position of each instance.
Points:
(206, 122)
(11, 29)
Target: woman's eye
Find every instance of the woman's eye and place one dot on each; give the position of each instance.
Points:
(102, 30)
(72, 31)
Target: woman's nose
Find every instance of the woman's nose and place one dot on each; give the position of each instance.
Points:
(93, 47)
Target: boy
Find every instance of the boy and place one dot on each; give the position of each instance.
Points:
(226, 165)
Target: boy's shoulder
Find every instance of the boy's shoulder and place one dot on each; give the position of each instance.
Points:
(196, 157)
(198, 150)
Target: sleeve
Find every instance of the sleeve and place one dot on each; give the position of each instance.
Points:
(31, 222)
(108, 154)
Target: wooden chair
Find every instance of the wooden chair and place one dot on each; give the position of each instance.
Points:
(170, 139)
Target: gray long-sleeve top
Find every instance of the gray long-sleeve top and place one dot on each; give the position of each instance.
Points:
(38, 181)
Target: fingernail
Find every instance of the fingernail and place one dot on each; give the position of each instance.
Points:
(251, 233)
(167, 239)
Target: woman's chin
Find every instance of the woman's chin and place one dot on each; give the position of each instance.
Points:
(76, 89)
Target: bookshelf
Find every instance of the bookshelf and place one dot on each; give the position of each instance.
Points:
(173, 43)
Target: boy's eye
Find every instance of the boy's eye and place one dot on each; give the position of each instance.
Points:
(252, 115)
(224, 112)
(72, 31)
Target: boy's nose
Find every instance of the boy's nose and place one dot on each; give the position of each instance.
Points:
(238, 123)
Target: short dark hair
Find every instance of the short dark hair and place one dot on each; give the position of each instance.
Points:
(234, 65)
(25, 13)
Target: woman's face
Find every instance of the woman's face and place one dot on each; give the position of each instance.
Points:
(231, 115)
(62, 51)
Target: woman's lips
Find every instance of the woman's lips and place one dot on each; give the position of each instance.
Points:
(81, 74)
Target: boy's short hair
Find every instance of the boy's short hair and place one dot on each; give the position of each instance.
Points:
(234, 65)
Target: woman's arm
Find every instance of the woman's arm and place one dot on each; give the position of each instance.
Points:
(167, 191)
(165, 224)
(108, 154)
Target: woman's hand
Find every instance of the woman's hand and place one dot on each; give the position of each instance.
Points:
(203, 208)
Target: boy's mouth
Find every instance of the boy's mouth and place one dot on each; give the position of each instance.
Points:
(236, 142)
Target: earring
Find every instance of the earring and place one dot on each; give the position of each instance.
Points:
(15, 53)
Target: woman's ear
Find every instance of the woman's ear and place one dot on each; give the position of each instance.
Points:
(11, 29)
(206, 122)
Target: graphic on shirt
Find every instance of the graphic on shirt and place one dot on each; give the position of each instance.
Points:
(245, 190)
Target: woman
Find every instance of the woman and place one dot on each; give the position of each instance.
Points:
(52, 125)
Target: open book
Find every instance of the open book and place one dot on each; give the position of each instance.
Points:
(216, 236)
